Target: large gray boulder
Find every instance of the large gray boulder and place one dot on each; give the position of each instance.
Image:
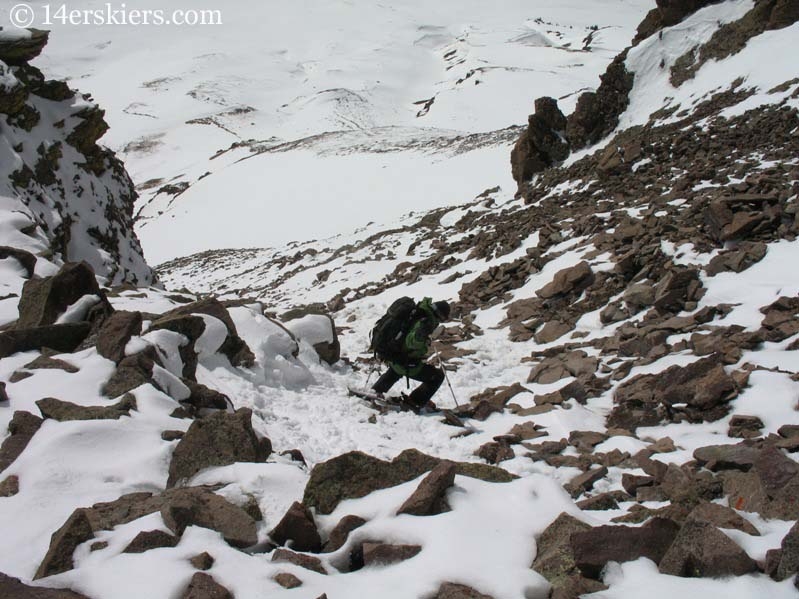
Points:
(45, 299)
(702, 550)
(219, 439)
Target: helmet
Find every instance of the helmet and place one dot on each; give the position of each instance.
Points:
(441, 310)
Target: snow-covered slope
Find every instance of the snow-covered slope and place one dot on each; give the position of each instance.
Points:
(392, 86)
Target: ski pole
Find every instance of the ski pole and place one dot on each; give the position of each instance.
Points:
(446, 376)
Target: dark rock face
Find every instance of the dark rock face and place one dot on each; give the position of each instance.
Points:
(25, 259)
(356, 474)
(542, 144)
(339, 534)
(703, 551)
(20, 51)
(22, 427)
(132, 371)
(115, 333)
(203, 586)
(3, 394)
(43, 300)
(60, 337)
(219, 439)
(596, 547)
(384, 554)
(151, 539)
(12, 588)
(646, 400)
(667, 13)
(430, 498)
(298, 529)
(64, 411)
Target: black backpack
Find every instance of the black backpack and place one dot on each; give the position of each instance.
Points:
(388, 335)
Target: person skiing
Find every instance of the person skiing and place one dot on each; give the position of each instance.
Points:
(402, 340)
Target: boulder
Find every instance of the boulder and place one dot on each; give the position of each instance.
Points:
(594, 548)
(76, 530)
(701, 550)
(22, 427)
(355, 474)
(219, 439)
(25, 259)
(585, 481)
(150, 539)
(632, 482)
(9, 486)
(43, 300)
(697, 392)
(309, 562)
(3, 393)
(63, 338)
(287, 580)
(430, 497)
(745, 427)
(203, 586)
(234, 347)
(64, 411)
(132, 372)
(725, 457)
(567, 281)
(203, 398)
(202, 561)
(298, 529)
(789, 555)
(451, 590)
(13, 588)
(338, 536)
(676, 288)
(552, 330)
(200, 507)
(541, 145)
(722, 517)
(115, 333)
(495, 452)
(775, 470)
(385, 554)
(780, 320)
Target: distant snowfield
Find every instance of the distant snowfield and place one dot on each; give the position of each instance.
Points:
(280, 72)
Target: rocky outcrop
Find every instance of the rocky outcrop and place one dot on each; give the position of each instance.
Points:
(542, 144)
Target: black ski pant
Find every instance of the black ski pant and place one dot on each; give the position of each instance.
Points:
(430, 377)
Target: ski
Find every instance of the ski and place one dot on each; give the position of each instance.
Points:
(382, 404)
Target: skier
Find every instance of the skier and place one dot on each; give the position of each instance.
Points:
(402, 339)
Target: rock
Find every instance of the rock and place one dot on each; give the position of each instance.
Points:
(594, 548)
(132, 372)
(65, 540)
(12, 588)
(203, 586)
(724, 457)
(44, 300)
(45, 362)
(63, 338)
(64, 411)
(115, 333)
(631, 482)
(586, 440)
(384, 554)
(780, 320)
(3, 394)
(555, 559)
(202, 561)
(552, 330)
(319, 331)
(639, 295)
(568, 280)
(677, 288)
(298, 527)
(699, 391)
(25, 259)
(355, 474)
(22, 427)
(526, 431)
(429, 498)
(700, 550)
(745, 427)
(585, 481)
(204, 398)
(775, 470)
(151, 539)
(172, 435)
(450, 590)
(495, 452)
(308, 562)
(737, 260)
(219, 439)
(234, 346)
(199, 507)
(722, 517)
(287, 580)
(540, 145)
(189, 326)
(19, 50)
(9, 486)
(788, 430)
(789, 556)
(339, 534)
(601, 502)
